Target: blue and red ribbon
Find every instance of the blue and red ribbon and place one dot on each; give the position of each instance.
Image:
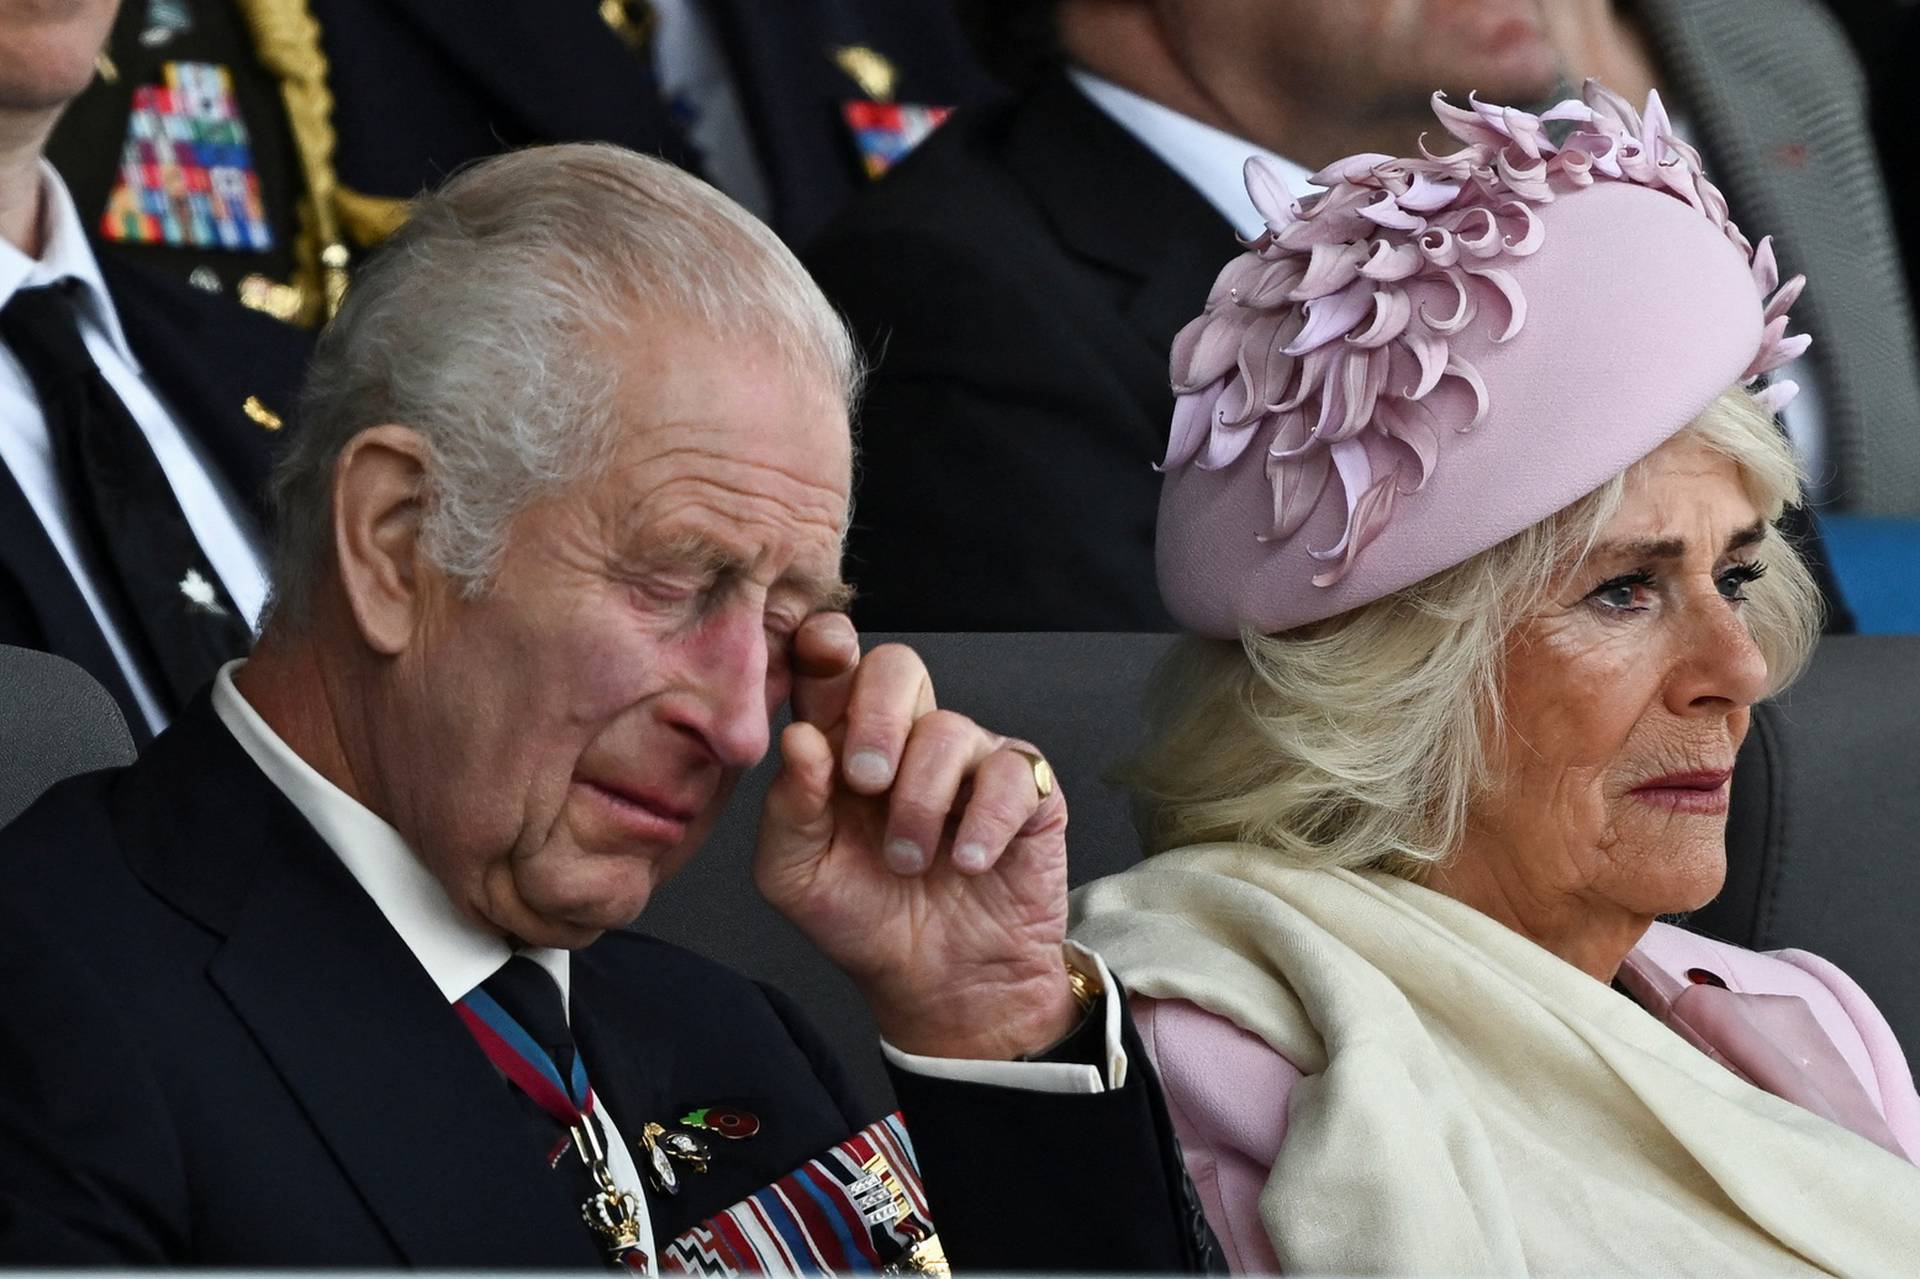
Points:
(515, 1054)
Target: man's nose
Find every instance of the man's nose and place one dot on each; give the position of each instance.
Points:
(730, 658)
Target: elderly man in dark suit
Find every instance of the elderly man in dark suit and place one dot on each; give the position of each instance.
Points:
(332, 975)
(138, 419)
(1019, 280)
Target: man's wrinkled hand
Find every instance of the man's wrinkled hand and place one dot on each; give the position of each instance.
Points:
(914, 848)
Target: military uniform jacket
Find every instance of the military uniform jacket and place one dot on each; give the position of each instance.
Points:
(413, 89)
(218, 1052)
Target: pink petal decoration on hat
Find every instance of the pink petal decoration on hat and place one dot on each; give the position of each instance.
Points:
(1267, 188)
(1354, 169)
(1330, 335)
(1192, 416)
(1504, 284)
(1332, 316)
(1775, 396)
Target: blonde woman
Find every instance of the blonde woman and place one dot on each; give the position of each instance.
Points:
(1470, 503)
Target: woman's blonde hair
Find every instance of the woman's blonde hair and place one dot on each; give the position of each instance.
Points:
(1359, 741)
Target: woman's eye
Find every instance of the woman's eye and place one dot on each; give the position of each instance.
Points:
(1735, 580)
(1622, 594)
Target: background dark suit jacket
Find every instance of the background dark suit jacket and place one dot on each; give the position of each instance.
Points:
(205, 356)
(472, 79)
(1017, 283)
(421, 87)
(218, 1052)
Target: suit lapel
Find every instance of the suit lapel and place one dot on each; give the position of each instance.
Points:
(1113, 201)
(206, 374)
(557, 68)
(59, 619)
(389, 1078)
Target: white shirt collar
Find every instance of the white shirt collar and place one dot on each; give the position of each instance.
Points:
(1212, 161)
(457, 953)
(65, 254)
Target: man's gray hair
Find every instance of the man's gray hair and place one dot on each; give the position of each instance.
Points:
(491, 324)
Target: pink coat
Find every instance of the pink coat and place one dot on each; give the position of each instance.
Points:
(1786, 1021)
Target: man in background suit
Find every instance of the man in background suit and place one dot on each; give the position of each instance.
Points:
(1773, 96)
(332, 975)
(138, 419)
(1020, 279)
(326, 116)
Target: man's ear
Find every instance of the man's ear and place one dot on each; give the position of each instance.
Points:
(379, 501)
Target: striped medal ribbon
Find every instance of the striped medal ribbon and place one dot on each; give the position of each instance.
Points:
(858, 1209)
(611, 1213)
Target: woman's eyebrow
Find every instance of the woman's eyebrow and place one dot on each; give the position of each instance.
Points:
(1673, 548)
(1746, 537)
(1646, 548)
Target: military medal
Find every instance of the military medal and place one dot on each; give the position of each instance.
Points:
(859, 1208)
(616, 1217)
(165, 20)
(662, 1148)
(611, 1213)
(186, 167)
(883, 129)
(883, 132)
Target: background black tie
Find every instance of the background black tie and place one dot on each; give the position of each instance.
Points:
(169, 602)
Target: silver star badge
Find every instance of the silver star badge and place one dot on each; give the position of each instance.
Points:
(200, 593)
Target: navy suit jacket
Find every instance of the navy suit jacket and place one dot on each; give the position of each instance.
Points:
(218, 1052)
(470, 79)
(1017, 282)
(205, 355)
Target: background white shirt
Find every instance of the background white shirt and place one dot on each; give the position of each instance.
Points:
(217, 518)
(1212, 161)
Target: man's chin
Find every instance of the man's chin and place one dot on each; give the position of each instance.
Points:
(570, 915)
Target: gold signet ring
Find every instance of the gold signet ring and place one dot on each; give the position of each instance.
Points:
(1042, 771)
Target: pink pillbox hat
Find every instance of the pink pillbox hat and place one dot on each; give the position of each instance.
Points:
(1444, 350)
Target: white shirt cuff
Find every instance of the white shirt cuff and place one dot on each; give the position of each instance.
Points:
(1037, 1076)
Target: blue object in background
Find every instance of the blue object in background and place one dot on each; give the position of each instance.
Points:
(1877, 562)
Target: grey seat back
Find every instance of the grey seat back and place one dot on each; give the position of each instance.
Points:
(56, 722)
(1823, 843)
(1076, 696)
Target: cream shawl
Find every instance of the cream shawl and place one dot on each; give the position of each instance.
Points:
(1473, 1104)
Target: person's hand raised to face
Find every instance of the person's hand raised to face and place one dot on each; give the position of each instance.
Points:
(915, 849)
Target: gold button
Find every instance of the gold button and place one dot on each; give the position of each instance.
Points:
(260, 413)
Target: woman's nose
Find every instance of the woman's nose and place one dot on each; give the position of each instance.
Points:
(1722, 669)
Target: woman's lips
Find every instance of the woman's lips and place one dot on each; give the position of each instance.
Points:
(1697, 792)
(644, 814)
